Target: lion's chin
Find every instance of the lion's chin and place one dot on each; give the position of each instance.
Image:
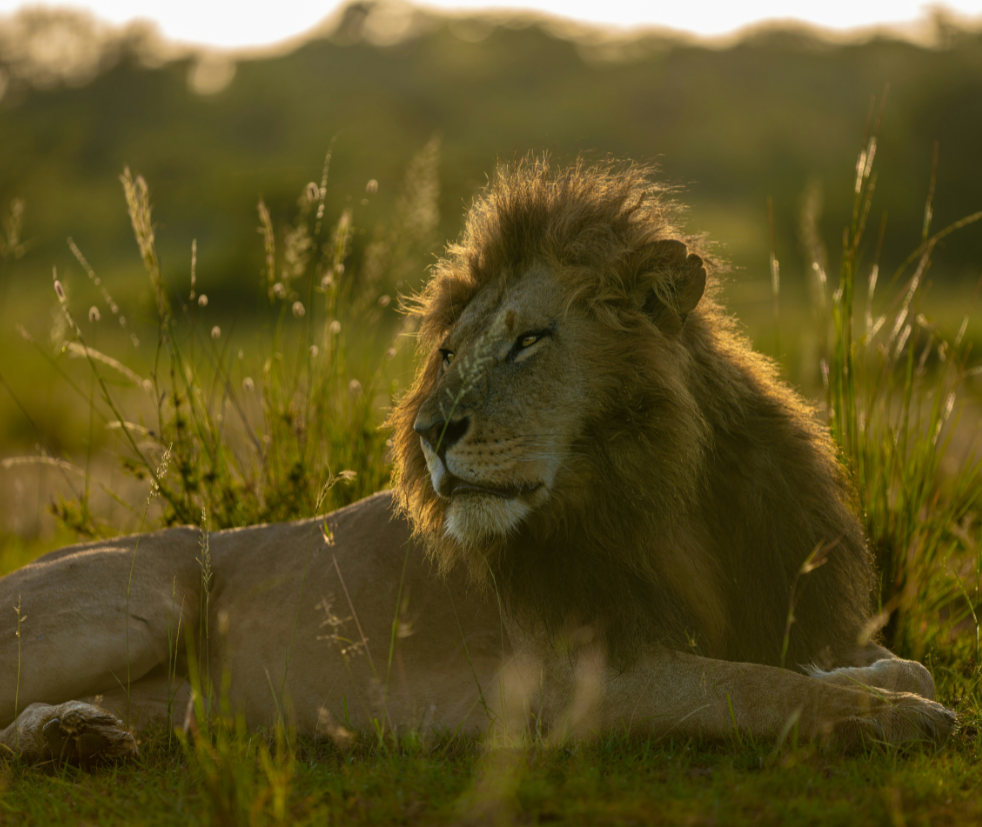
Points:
(477, 518)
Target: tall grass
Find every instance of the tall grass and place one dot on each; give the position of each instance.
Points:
(13, 246)
(892, 385)
(252, 442)
(244, 778)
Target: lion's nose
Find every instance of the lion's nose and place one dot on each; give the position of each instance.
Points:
(442, 434)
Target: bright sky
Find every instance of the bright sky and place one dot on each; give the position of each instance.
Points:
(220, 23)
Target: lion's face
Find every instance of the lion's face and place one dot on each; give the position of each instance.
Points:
(498, 428)
(552, 402)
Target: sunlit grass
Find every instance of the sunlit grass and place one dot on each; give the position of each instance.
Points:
(254, 434)
(893, 381)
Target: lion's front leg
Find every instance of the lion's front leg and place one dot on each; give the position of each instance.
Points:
(73, 732)
(701, 696)
(669, 692)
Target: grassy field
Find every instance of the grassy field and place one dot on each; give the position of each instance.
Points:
(283, 422)
(619, 780)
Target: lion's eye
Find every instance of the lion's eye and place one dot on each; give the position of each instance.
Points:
(447, 357)
(526, 340)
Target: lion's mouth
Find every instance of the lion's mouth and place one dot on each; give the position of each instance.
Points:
(456, 487)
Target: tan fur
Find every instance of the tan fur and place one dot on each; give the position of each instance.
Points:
(589, 447)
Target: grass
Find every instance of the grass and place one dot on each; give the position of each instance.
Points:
(891, 393)
(286, 431)
(615, 780)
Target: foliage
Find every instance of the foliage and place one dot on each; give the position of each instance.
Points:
(249, 450)
(733, 123)
(620, 779)
(891, 393)
(242, 778)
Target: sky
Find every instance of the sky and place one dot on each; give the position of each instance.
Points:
(210, 23)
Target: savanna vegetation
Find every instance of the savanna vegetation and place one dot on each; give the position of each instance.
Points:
(213, 375)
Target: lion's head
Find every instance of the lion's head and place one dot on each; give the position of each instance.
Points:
(578, 388)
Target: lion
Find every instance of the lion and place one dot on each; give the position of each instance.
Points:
(607, 512)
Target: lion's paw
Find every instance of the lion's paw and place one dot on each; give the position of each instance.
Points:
(900, 718)
(892, 674)
(73, 732)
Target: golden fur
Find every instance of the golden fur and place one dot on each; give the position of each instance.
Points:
(589, 439)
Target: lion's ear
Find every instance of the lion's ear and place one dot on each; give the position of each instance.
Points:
(682, 277)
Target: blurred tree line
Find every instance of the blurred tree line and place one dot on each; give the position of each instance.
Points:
(778, 114)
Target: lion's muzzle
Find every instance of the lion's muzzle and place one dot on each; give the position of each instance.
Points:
(441, 434)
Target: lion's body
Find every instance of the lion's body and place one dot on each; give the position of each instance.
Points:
(590, 448)
(273, 591)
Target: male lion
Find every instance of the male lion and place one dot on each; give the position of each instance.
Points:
(602, 496)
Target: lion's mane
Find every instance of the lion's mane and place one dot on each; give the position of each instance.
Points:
(705, 482)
